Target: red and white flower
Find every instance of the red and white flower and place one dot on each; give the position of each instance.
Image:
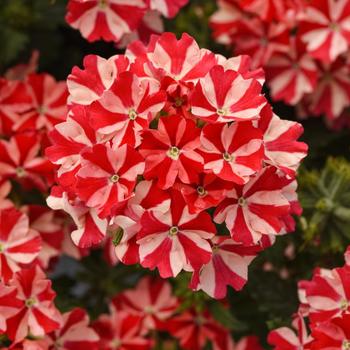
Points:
(19, 245)
(282, 149)
(232, 152)
(194, 330)
(176, 240)
(121, 331)
(208, 192)
(105, 19)
(48, 103)
(38, 315)
(326, 28)
(328, 294)
(292, 74)
(286, 339)
(20, 160)
(228, 266)
(127, 108)
(225, 96)
(332, 335)
(181, 61)
(151, 299)
(107, 177)
(332, 93)
(255, 209)
(171, 152)
(88, 84)
(74, 333)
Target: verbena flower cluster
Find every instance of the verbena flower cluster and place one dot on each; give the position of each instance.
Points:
(325, 305)
(302, 45)
(156, 139)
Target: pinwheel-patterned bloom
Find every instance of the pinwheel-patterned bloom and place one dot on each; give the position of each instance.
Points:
(38, 315)
(194, 330)
(127, 109)
(225, 96)
(181, 60)
(291, 75)
(19, 160)
(171, 151)
(260, 40)
(208, 192)
(269, 10)
(332, 335)
(121, 331)
(151, 299)
(255, 209)
(232, 152)
(105, 19)
(74, 333)
(107, 177)
(280, 140)
(286, 339)
(328, 294)
(332, 93)
(9, 304)
(228, 266)
(326, 28)
(175, 240)
(48, 105)
(19, 245)
(88, 84)
(70, 139)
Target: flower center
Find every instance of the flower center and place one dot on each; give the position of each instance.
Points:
(221, 112)
(334, 26)
(42, 110)
(115, 343)
(228, 157)
(173, 231)
(215, 248)
(132, 114)
(201, 191)
(346, 345)
(173, 153)
(179, 101)
(30, 302)
(114, 178)
(242, 202)
(20, 172)
(344, 305)
(2, 248)
(149, 309)
(103, 3)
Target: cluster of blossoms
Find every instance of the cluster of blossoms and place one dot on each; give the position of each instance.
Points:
(110, 20)
(303, 46)
(157, 138)
(325, 304)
